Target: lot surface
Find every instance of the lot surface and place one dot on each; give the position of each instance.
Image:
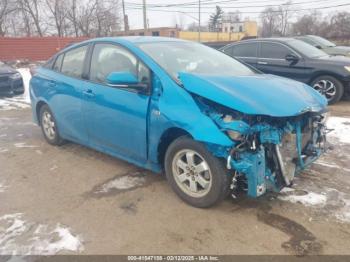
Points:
(72, 199)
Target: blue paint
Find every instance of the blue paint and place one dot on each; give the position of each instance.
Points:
(257, 95)
(126, 78)
(132, 125)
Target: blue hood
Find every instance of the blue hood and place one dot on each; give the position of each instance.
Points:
(257, 94)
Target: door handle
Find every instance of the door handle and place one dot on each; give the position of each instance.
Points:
(262, 63)
(89, 93)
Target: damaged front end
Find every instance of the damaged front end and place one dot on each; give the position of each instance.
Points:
(267, 152)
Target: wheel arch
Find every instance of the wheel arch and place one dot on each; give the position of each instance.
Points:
(37, 110)
(166, 139)
(325, 73)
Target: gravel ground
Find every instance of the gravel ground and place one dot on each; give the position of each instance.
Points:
(72, 200)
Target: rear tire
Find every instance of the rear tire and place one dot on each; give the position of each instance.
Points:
(49, 126)
(330, 87)
(196, 176)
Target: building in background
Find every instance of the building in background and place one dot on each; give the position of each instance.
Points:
(237, 31)
(157, 31)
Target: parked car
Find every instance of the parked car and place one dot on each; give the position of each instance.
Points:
(179, 106)
(11, 82)
(288, 57)
(325, 45)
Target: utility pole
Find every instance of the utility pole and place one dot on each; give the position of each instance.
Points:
(144, 17)
(126, 22)
(199, 20)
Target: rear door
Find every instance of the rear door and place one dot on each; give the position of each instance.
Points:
(64, 93)
(272, 60)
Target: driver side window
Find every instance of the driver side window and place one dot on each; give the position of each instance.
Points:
(108, 58)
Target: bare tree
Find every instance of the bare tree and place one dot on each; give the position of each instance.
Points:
(308, 24)
(340, 25)
(6, 8)
(30, 9)
(284, 13)
(72, 16)
(270, 22)
(58, 12)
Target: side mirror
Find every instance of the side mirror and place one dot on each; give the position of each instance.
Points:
(120, 79)
(292, 58)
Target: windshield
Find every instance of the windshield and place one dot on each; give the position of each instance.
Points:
(321, 41)
(190, 57)
(306, 49)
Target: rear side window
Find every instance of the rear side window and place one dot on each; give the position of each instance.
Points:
(73, 62)
(58, 63)
(245, 50)
(274, 51)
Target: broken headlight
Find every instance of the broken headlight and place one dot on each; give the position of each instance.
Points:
(235, 135)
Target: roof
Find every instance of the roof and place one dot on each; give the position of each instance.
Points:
(277, 39)
(139, 39)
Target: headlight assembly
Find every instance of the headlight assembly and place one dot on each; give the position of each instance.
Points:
(347, 68)
(15, 76)
(235, 135)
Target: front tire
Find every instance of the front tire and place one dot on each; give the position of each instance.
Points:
(49, 126)
(196, 176)
(330, 87)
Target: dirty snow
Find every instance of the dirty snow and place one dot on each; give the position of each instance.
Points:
(26, 78)
(23, 145)
(122, 183)
(2, 187)
(326, 164)
(19, 237)
(344, 213)
(309, 199)
(341, 126)
(3, 150)
(21, 101)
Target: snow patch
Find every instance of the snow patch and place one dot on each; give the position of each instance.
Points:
(341, 126)
(2, 187)
(23, 145)
(122, 183)
(309, 199)
(19, 237)
(13, 103)
(3, 150)
(26, 76)
(326, 164)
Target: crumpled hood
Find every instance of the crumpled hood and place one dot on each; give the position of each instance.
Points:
(257, 94)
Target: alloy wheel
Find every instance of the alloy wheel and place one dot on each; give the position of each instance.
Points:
(48, 125)
(326, 88)
(192, 173)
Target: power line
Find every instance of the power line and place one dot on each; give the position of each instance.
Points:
(207, 4)
(251, 6)
(245, 12)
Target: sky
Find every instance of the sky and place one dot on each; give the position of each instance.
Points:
(185, 12)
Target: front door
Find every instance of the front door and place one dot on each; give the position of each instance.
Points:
(272, 60)
(116, 117)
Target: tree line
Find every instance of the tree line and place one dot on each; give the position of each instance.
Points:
(280, 22)
(59, 17)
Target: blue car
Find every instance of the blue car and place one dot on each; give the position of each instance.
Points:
(211, 123)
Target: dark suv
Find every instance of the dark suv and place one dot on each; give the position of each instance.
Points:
(11, 82)
(288, 57)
